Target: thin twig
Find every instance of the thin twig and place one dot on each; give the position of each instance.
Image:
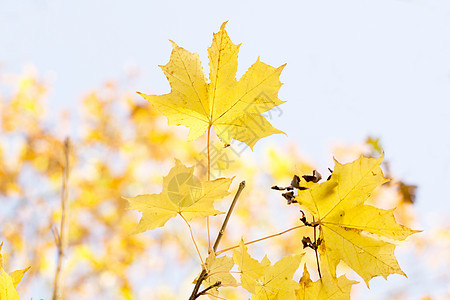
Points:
(261, 239)
(315, 250)
(200, 279)
(230, 210)
(204, 273)
(60, 238)
(193, 239)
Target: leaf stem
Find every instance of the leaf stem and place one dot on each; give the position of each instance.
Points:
(209, 179)
(61, 237)
(261, 239)
(209, 156)
(193, 239)
(204, 273)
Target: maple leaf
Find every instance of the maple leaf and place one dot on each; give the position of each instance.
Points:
(324, 288)
(218, 270)
(265, 281)
(9, 282)
(233, 107)
(361, 235)
(183, 194)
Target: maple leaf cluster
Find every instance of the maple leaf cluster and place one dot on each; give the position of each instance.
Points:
(116, 155)
(350, 231)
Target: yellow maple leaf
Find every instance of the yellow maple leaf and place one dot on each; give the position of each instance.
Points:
(265, 281)
(361, 235)
(324, 288)
(9, 282)
(218, 270)
(233, 107)
(183, 194)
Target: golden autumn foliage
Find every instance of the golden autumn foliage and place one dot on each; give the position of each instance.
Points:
(349, 230)
(123, 147)
(105, 250)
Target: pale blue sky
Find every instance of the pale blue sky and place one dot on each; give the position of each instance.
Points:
(354, 68)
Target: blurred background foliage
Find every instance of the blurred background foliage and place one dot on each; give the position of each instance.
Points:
(121, 146)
